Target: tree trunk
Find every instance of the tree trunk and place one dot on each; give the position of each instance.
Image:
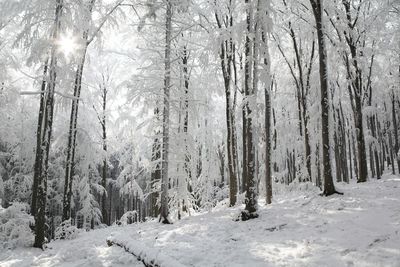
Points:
(226, 55)
(395, 132)
(156, 172)
(268, 178)
(183, 184)
(249, 91)
(362, 156)
(269, 87)
(39, 134)
(104, 167)
(356, 92)
(329, 187)
(70, 161)
(350, 154)
(40, 212)
(343, 148)
(164, 212)
(71, 147)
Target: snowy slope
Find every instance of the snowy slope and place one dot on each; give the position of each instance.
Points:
(360, 228)
(89, 249)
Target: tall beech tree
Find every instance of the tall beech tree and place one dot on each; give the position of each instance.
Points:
(87, 39)
(164, 211)
(227, 60)
(329, 187)
(39, 190)
(71, 147)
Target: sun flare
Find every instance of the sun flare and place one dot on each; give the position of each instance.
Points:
(67, 44)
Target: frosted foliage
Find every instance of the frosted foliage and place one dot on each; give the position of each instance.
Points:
(15, 224)
(66, 231)
(89, 213)
(18, 187)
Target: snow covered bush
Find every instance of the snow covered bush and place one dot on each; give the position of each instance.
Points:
(129, 217)
(14, 226)
(66, 231)
(222, 193)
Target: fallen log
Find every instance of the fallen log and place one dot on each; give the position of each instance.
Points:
(150, 257)
(138, 257)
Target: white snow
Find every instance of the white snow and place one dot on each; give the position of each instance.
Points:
(300, 228)
(89, 249)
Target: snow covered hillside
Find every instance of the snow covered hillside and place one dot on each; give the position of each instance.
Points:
(300, 228)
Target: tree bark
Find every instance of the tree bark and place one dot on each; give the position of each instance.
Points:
(268, 178)
(329, 187)
(164, 212)
(183, 184)
(39, 134)
(226, 55)
(71, 146)
(395, 132)
(356, 92)
(156, 171)
(104, 167)
(249, 93)
(40, 213)
(362, 156)
(269, 87)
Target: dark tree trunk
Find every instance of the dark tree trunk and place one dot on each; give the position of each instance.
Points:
(268, 178)
(226, 55)
(329, 187)
(156, 171)
(221, 157)
(395, 132)
(104, 167)
(164, 211)
(71, 147)
(350, 153)
(362, 156)
(318, 180)
(244, 150)
(70, 161)
(39, 134)
(355, 157)
(40, 212)
(249, 93)
(356, 91)
(110, 208)
(183, 183)
(268, 116)
(344, 141)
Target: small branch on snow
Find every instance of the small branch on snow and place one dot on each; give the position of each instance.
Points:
(148, 256)
(139, 258)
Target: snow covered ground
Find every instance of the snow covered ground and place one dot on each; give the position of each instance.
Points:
(360, 228)
(88, 249)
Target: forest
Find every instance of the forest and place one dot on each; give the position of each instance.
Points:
(169, 131)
